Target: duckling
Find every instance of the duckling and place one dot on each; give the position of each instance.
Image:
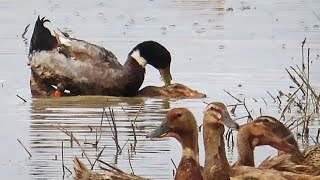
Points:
(174, 90)
(83, 173)
(262, 131)
(88, 69)
(216, 166)
(181, 124)
(307, 162)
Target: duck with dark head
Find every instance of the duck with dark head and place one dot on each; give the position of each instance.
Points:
(87, 69)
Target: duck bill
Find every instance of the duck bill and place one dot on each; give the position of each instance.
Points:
(276, 142)
(166, 75)
(230, 123)
(160, 131)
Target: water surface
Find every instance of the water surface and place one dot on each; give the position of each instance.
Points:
(242, 47)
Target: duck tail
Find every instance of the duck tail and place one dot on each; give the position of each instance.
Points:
(42, 38)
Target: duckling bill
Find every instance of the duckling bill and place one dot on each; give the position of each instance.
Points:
(87, 69)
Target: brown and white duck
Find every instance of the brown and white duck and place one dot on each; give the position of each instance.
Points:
(87, 69)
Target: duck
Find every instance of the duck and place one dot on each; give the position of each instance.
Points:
(83, 173)
(263, 130)
(174, 90)
(216, 166)
(180, 124)
(88, 69)
(306, 162)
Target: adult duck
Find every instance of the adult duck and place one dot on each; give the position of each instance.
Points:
(307, 162)
(216, 166)
(181, 124)
(87, 69)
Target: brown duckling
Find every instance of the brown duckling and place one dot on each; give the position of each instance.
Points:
(216, 165)
(174, 90)
(262, 131)
(215, 117)
(181, 124)
(307, 162)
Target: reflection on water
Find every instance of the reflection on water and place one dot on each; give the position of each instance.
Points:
(82, 116)
(240, 46)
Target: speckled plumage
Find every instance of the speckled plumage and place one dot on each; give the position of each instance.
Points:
(87, 69)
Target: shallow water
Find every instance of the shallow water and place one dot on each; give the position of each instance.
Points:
(242, 47)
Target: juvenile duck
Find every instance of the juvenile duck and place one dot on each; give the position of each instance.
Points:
(181, 124)
(175, 90)
(307, 162)
(262, 131)
(87, 69)
(216, 166)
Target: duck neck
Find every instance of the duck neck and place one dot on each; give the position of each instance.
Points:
(245, 151)
(190, 147)
(216, 163)
(131, 77)
(296, 155)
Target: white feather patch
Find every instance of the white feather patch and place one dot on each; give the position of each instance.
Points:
(65, 41)
(136, 55)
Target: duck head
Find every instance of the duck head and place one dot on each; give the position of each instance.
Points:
(266, 130)
(216, 113)
(153, 53)
(177, 123)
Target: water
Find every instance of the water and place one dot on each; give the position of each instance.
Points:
(242, 47)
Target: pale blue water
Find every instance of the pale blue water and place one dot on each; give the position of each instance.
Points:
(213, 48)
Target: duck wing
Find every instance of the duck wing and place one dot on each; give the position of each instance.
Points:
(283, 162)
(43, 40)
(84, 51)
